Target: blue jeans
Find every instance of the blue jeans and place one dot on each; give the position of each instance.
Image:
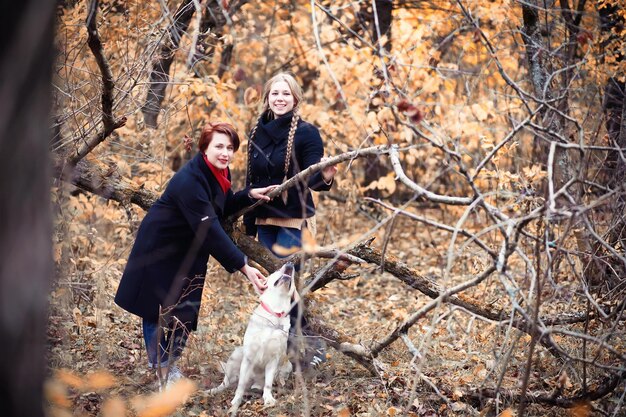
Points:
(170, 346)
(285, 237)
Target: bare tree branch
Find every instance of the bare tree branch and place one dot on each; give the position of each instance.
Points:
(108, 120)
(302, 175)
(444, 199)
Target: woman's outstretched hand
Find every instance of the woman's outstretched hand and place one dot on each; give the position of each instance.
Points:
(329, 172)
(261, 193)
(256, 278)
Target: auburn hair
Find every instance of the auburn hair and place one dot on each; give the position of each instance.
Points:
(211, 128)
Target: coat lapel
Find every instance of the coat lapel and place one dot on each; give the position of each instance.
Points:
(218, 198)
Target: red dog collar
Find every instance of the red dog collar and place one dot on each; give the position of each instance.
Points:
(269, 310)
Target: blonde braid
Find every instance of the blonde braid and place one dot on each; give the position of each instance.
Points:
(250, 146)
(290, 138)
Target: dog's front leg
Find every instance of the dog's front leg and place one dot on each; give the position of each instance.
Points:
(270, 374)
(245, 373)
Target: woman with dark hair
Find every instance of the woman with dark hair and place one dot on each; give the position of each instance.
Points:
(164, 277)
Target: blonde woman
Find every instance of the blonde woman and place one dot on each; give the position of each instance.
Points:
(281, 145)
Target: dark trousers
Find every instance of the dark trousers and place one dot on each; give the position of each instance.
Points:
(162, 344)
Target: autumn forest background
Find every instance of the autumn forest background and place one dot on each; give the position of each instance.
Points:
(469, 260)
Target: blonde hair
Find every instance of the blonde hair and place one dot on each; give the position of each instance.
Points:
(296, 91)
(295, 88)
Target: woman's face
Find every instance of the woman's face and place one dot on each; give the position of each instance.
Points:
(280, 99)
(220, 150)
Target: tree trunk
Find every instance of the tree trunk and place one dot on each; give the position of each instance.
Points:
(213, 20)
(160, 75)
(614, 107)
(565, 163)
(380, 22)
(614, 104)
(26, 58)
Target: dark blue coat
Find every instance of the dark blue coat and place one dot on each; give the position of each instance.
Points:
(267, 165)
(168, 262)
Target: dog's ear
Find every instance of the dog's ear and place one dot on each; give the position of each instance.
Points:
(271, 278)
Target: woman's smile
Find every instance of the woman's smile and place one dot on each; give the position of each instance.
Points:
(280, 98)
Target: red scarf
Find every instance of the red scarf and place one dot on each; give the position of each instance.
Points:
(220, 174)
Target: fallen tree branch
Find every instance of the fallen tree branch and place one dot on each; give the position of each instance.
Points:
(602, 390)
(428, 287)
(105, 181)
(101, 179)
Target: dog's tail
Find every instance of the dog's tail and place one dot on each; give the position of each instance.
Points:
(225, 383)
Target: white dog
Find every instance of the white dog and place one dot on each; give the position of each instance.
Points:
(256, 363)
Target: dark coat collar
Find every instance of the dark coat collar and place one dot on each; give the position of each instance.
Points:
(218, 196)
(276, 129)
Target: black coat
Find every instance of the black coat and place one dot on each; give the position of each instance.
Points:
(267, 166)
(168, 262)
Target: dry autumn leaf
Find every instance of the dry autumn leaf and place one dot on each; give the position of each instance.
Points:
(100, 380)
(164, 403)
(393, 411)
(344, 412)
(251, 96)
(114, 407)
(56, 393)
(507, 413)
(70, 379)
(582, 409)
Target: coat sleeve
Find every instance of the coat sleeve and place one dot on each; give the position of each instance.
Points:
(311, 151)
(195, 204)
(237, 201)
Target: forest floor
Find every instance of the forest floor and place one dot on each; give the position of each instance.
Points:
(98, 366)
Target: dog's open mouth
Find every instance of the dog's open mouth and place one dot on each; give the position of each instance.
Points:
(287, 274)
